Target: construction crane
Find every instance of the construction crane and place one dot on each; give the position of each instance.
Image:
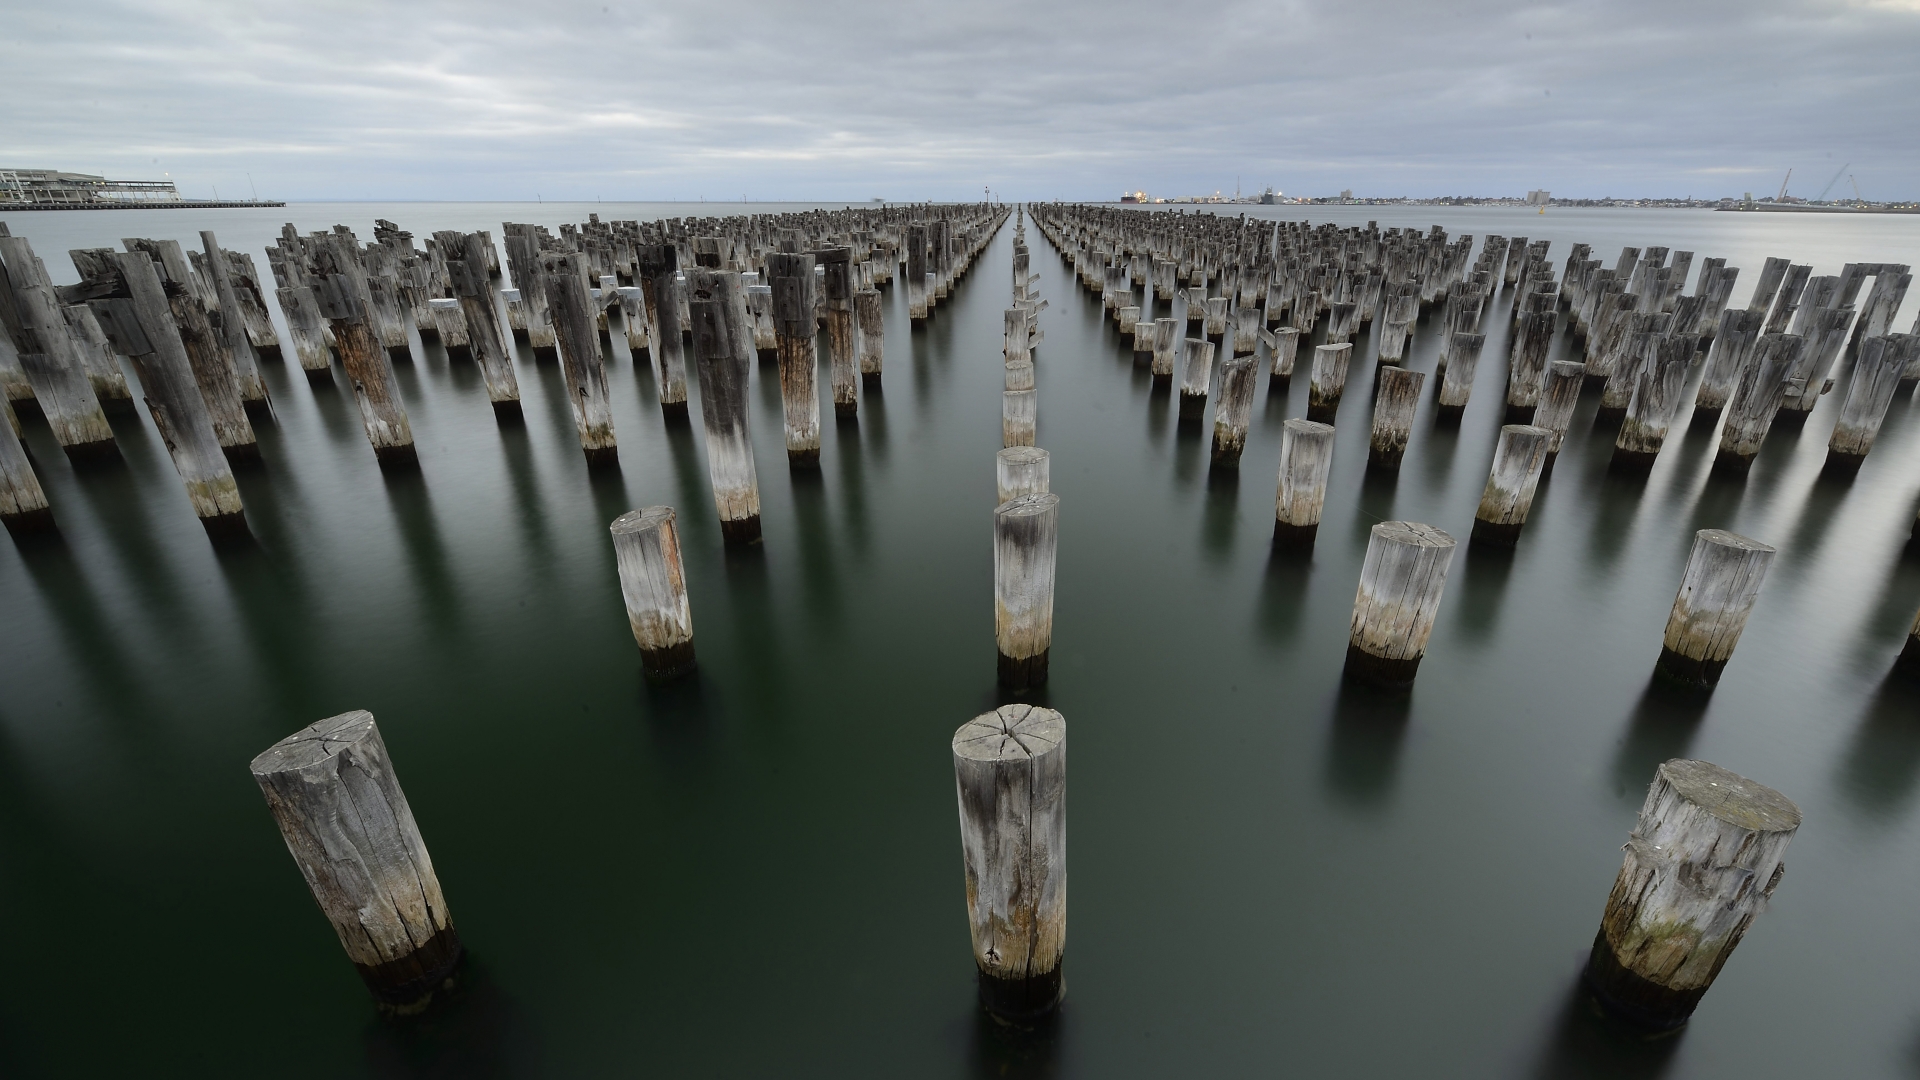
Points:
(1857, 197)
(1835, 180)
(1783, 186)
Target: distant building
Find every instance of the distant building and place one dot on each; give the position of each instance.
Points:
(1538, 198)
(1347, 195)
(1269, 197)
(45, 187)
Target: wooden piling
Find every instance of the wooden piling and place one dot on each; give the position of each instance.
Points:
(1763, 384)
(1883, 361)
(1557, 402)
(23, 503)
(1656, 398)
(724, 411)
(466, 258)
(332, 789)
(1329, 380)
(584, 366)
(1166, 342)
(871, 313)
(1020, 470)
(1701, 864)
(843, 365)
(1518, 460)
(1010, 775)
(1025, 541)
(1306, 457)
(1286, 347)
(1018, 416)
(52, 360)
(1233, 413)
(1717, 593)
(917, 274)
(1731, 352)
(97, 358)
(646, 549)
(794, 327)
(232, 324)
(1394, 402)
(1393, 611)
(1456, 382)
(1196, 378)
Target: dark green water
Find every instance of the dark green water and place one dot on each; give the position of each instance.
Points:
(757, 874)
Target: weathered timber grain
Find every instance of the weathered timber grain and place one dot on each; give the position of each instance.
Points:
(794, 328)
(23, 503)
(1010, 776)
(1399, 595)
(1701, 864)
(1020, 470)
(1395, 399)
(843, 365)
(1518, 459)
(1196, 378)
(1018, 417)
(646, 549)
(1763, 384)
(1329, 380)
(332, 790)
(1717, 593)
(1026, 538)
(1233, 412)
(1883, 361)
(232, 324)
(1306, 457)
(466, 257)
(724, 410)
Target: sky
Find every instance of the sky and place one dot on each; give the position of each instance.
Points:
(910, 100)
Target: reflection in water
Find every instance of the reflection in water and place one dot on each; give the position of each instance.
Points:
(85, 624)
(278, 613)
(1817, 512)
(1363, 750)
(1158, 408)
(1283, 594)
(1188, 449)
(1013, 1052)
(873, 406)
(853, 486)
(1662, 726)
(1442, 440)
(1878, 773)
(1377, 490)
(1484, 587)
(532, 515)
(679, 715)
(1587, 1044)
(1616, 506)
(690, 483)
(476, 1032)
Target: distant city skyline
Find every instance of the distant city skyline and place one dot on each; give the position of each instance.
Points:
(1073, 101)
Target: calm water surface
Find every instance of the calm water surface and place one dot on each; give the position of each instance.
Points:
(757, 874)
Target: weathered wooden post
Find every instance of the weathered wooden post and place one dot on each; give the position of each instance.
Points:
(1196, 377)
(842, 364)
(1908, 663)
(368, 367)
(97, 359)
(1397, 397)
(1717, 593)
(646, 549)
(1166, 340)
(1701, 864)
(1010, 773)
(466, 259)
(1329, 380)
(1400, 584)
(1018, 416)
(873, 333)
(1286, 346)
(917, 274)
(332, 790)
(1518, 460)
(1126, 318)
(233, 323)
(1762, 386)
(23, 504)
(1656, 397)
(1883, 361)
(1557, 401)
(1456, 382)
(723, 413)
(1306, 456)
(1020, 470)
(660, 288)
(1729, 355)
(1026, 537)
(1144, 333)
(132, 309)
(583, 365)
(1234, 412)
(308, 330)
(794, 326)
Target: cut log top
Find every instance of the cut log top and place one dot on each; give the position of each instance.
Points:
(1032, 505)
(1010, 733)
(1412, 534)
(1733, 540)
(316, 744)
(1731, 797)
(645, 519)
(1023, 455)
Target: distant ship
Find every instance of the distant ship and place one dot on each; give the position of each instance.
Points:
(1133, 196)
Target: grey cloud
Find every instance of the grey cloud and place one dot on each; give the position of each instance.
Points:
(1039, 100)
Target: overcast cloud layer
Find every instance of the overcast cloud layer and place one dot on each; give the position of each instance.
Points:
(485, 100)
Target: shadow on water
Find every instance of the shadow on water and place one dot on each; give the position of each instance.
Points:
(1586, 1044)
(819, 576)
(85, 623)
(477, 1033)
(1189, 448)
(873, 409)
(1377, 494)
(275, 607)
(691, 486)
(1159, 410)
(1220, 522)
(1485, 587)
(853, 486)
(1878, 773)
(517, 448)
(680, 716)
(1616, 505)
(1283, 594)
(1442, 439)
(1363, 747)
(1012, 1052)
(1816, 517)
(1661, 727)
(426, 552)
